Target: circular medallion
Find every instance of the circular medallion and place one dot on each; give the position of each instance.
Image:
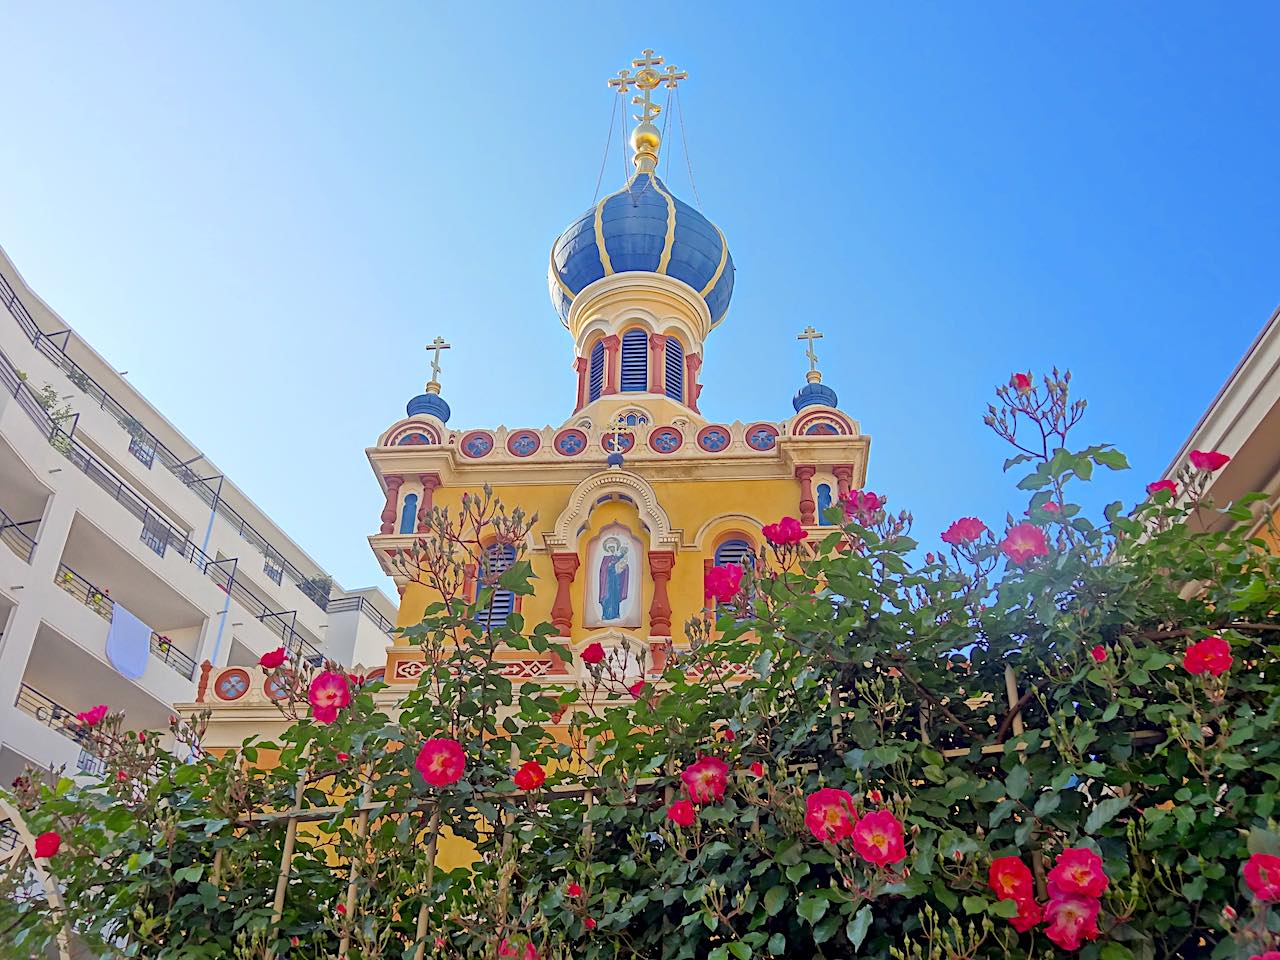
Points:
(477, 444)
(713, 439)
(232, 684)
(762, 436)
(625, 441)
(276, 686)
(523, 443)
(665, 440)
(570, 442)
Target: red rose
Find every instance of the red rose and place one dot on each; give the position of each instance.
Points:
(329, 693)
(786, 531)
(91, 718)
(530, 776)
(1050, 507)
(875, 796)
(342, 909)
(47, 845)
(878, 838)
(1023, 542)
(593, 654)
(636, 689)
(272, 658)
(573, 890)
(344, 757)
(1165, 485)
(1210, 655)
(728, 735)
(1078, 870)
(1029, 914)
(1208, 460)
(1071, 920)
(681, 813)
(706, 780)
(441, 761)
(589, 923)
(1262, 874)
(722, 583)
(1099, 653)
(757, 769)
(1021, 382)
(962, 531)
(862, 506)
(1010, 879)
(829, 814)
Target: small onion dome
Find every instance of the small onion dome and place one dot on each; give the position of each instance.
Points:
(430, 404)
(642, 228)
(814, 395)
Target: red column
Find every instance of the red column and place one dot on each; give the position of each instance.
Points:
(661, 563)
(580, 365)
(393, 503)
(657, 362)
(565, 565)
(429, 483)
(844, 478)
(807, 505)
(611, 348)
(692, 364)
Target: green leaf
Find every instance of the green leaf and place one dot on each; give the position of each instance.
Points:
(856, 929)
(777, 944)
(1016, 783)
(1003, 908)
(1104, 812)
(774, 899)
(189, 874)
(740, 950)
(1112, 459)
(812, 908)
(1048, 802)
(1115, 951)
(974, 905)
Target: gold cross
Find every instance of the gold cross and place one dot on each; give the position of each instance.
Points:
(620, 423)
(811, 335)
(437, 345)
(647, 78)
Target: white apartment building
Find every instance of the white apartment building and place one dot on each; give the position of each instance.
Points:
(105, 505)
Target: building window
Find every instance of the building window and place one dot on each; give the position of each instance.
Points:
(155, 534)
(824, 503)
(595, 374)
(635, 361)
(675, 370)
(409, 513)
(497, 560)
(737, 551)
(143, 451)
(274, 569)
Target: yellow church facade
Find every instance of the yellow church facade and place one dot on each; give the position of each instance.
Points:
(636, 492)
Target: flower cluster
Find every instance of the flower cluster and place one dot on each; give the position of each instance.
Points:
(786, 531)
(1076, 883)
(863, 506)
(831, 817)
(1211, 655)
(91, 718)
(723, 582)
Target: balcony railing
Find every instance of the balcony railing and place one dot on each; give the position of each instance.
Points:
(91, 763)
(8, 837)
(99, 601)
(343, 604)
(52, 714)
(18, 537)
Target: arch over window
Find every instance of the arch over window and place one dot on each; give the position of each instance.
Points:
(635, 361)
(595, 372)
(735, 550)
(824, 503)
(498, 559)
(409, 513)
(675, 370)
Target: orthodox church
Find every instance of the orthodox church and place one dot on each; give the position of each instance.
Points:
(636, 492)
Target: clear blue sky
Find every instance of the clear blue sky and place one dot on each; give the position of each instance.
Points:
(300, 195)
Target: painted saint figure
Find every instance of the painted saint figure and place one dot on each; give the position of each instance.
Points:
(614, 575)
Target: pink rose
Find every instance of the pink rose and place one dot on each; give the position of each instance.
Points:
(1208, 460)
(1023, 542)
(1162, 485)
(272, 659)
(329, 693)
(962, 531)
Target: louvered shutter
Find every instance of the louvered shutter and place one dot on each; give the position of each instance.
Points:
(498, 560)
(635, 362)
(675, 370)
(595, 381)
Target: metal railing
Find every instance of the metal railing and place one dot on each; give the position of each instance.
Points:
(8, 837)
(51, 713)
(16, 537)
(91, 763)
(99, 601)
(343, 604)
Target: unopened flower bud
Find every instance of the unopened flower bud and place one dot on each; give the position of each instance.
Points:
(1228, 913)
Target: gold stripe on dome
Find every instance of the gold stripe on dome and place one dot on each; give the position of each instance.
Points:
(715, 277)
(564, 287)
(670, 241)
(604, 253)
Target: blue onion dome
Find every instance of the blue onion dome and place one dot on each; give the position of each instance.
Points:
(430, 404)
(814, 395)
(642, 228)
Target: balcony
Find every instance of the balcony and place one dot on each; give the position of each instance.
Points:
(56, 717)
(19, 537)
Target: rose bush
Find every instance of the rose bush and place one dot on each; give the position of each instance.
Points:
(1059, 739)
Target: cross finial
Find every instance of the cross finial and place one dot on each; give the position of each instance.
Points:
(647, 78)
(438, 344)
(810, 334)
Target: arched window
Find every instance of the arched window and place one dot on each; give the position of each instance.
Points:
(737, 551)
(675, 370)
(497, 561)
(409, 513)
(635, 361)
(824, 503)
(595, 373)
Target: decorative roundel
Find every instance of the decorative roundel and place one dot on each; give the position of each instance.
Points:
(713, 439)
(665, 440)
(276, 686)
(477, 444)
(762, 436)
(822, 429)
(232, 684)
(570, 442)
(523, 443)
(625, 441)
(379, 674)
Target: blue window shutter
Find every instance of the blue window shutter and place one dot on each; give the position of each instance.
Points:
(735, 551)
(824, 503)
(595, 376)
(409, 514)
(675, 370)
(635, 361)
(498, 560)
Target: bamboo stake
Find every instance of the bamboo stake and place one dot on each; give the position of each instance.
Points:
(286, 857)
(1011, 691)
(424, 911)
(362, 830)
